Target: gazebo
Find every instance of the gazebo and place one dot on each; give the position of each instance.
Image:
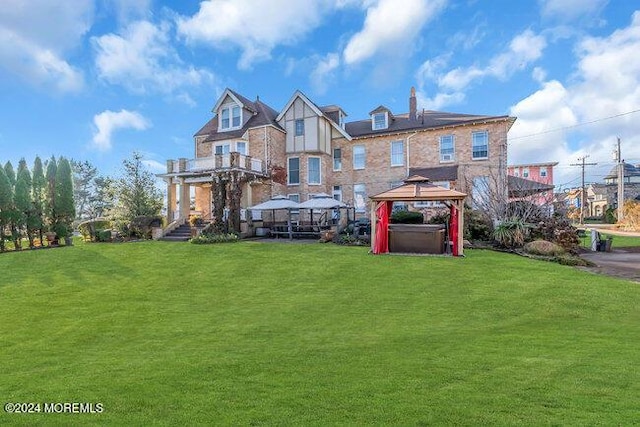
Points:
(416, 189)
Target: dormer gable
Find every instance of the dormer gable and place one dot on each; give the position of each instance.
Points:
(232, 110)
(316, 110)
(380, 118)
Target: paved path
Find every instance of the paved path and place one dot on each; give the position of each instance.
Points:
(619, 263)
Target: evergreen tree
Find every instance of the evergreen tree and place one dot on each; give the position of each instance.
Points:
(84, 175)
(8, 169)
(103, 200)
(6, 205)
(50, 197)
(23, 206)
(136, 190)
(63, 206)
(38, 193)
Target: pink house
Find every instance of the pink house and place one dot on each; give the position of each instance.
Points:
(541, 173)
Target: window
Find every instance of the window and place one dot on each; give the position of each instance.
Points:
(358, 157)
(222, 149)
(397, 153)
(241, 147)
(516, 172)
(480, 192)
(359, 197)
(447, 153)
(224, 121)
(299, 127)
(543, 172)
(337, 159)
(313, 170)
(293, 175)
(480, 145)
(443, 184)
(235, 117)
(337, 193)
(230, 117)
(525, 172)
(379, 121)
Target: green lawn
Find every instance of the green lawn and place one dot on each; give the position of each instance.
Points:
(250, 333)
(617, 242)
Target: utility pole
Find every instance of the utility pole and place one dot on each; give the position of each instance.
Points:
(583, 198)
(620, 182)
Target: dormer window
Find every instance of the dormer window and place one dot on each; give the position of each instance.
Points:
(379, 121)
(230, 117)
(341, 119)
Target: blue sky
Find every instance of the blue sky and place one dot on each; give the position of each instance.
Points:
(97, 79)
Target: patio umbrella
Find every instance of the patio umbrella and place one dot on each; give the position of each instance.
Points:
(322, 201)
(277, 203)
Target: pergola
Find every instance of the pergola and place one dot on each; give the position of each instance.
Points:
(416, 188)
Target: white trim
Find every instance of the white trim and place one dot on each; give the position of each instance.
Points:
(288, 171)
(486, 132)
(314, 107)
(319, 170)
(399, 141)
(353, 155)
(386, 121)
(333, 161)
(449, 157)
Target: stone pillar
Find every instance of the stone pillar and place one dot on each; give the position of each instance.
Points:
(185, 199)
(171, 200)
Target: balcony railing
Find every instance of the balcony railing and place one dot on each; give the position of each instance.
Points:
(216, 162)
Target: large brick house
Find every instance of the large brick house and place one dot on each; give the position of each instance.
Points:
(305, 149)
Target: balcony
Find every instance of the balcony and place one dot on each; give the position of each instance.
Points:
(202, 166)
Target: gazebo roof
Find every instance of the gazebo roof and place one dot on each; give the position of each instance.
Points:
(418, 188)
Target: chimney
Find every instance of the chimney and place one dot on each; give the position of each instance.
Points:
(412, 104)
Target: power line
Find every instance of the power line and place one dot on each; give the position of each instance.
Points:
(576, 125)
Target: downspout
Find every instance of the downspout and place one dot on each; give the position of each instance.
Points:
(408, 151)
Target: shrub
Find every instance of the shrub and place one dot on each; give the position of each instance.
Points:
(511, 233)
(439, 218)
(558, 230)
(204, 239)
(351, 240)
(88, 229)
(631, 215)
(407, 217)
(103, 235)
(140, 226)
(543, 247)
(477, 225)
(609, 216)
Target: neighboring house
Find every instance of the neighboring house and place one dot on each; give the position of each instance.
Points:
(305, 149)
(540, 173)
(597, 199)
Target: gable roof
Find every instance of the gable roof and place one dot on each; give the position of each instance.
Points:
(426, 120)
(418, 188)
(262, 115)
(314, 108)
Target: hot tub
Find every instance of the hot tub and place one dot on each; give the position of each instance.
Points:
(417, 238)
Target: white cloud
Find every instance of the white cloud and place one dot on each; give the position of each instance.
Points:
(155, 166)
(524, 49)
(35, 35)
(390, 24)
(128, 10)
(254, 28)
(143, 60)
(606, 84)
(568, 10)
(108, 122)
(324, 72)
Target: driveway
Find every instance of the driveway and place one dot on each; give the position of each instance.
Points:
(623, 263)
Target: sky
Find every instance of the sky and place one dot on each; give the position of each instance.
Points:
(98, 79)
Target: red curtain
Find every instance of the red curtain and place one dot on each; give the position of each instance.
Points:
(453, 229)
(381, 244)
